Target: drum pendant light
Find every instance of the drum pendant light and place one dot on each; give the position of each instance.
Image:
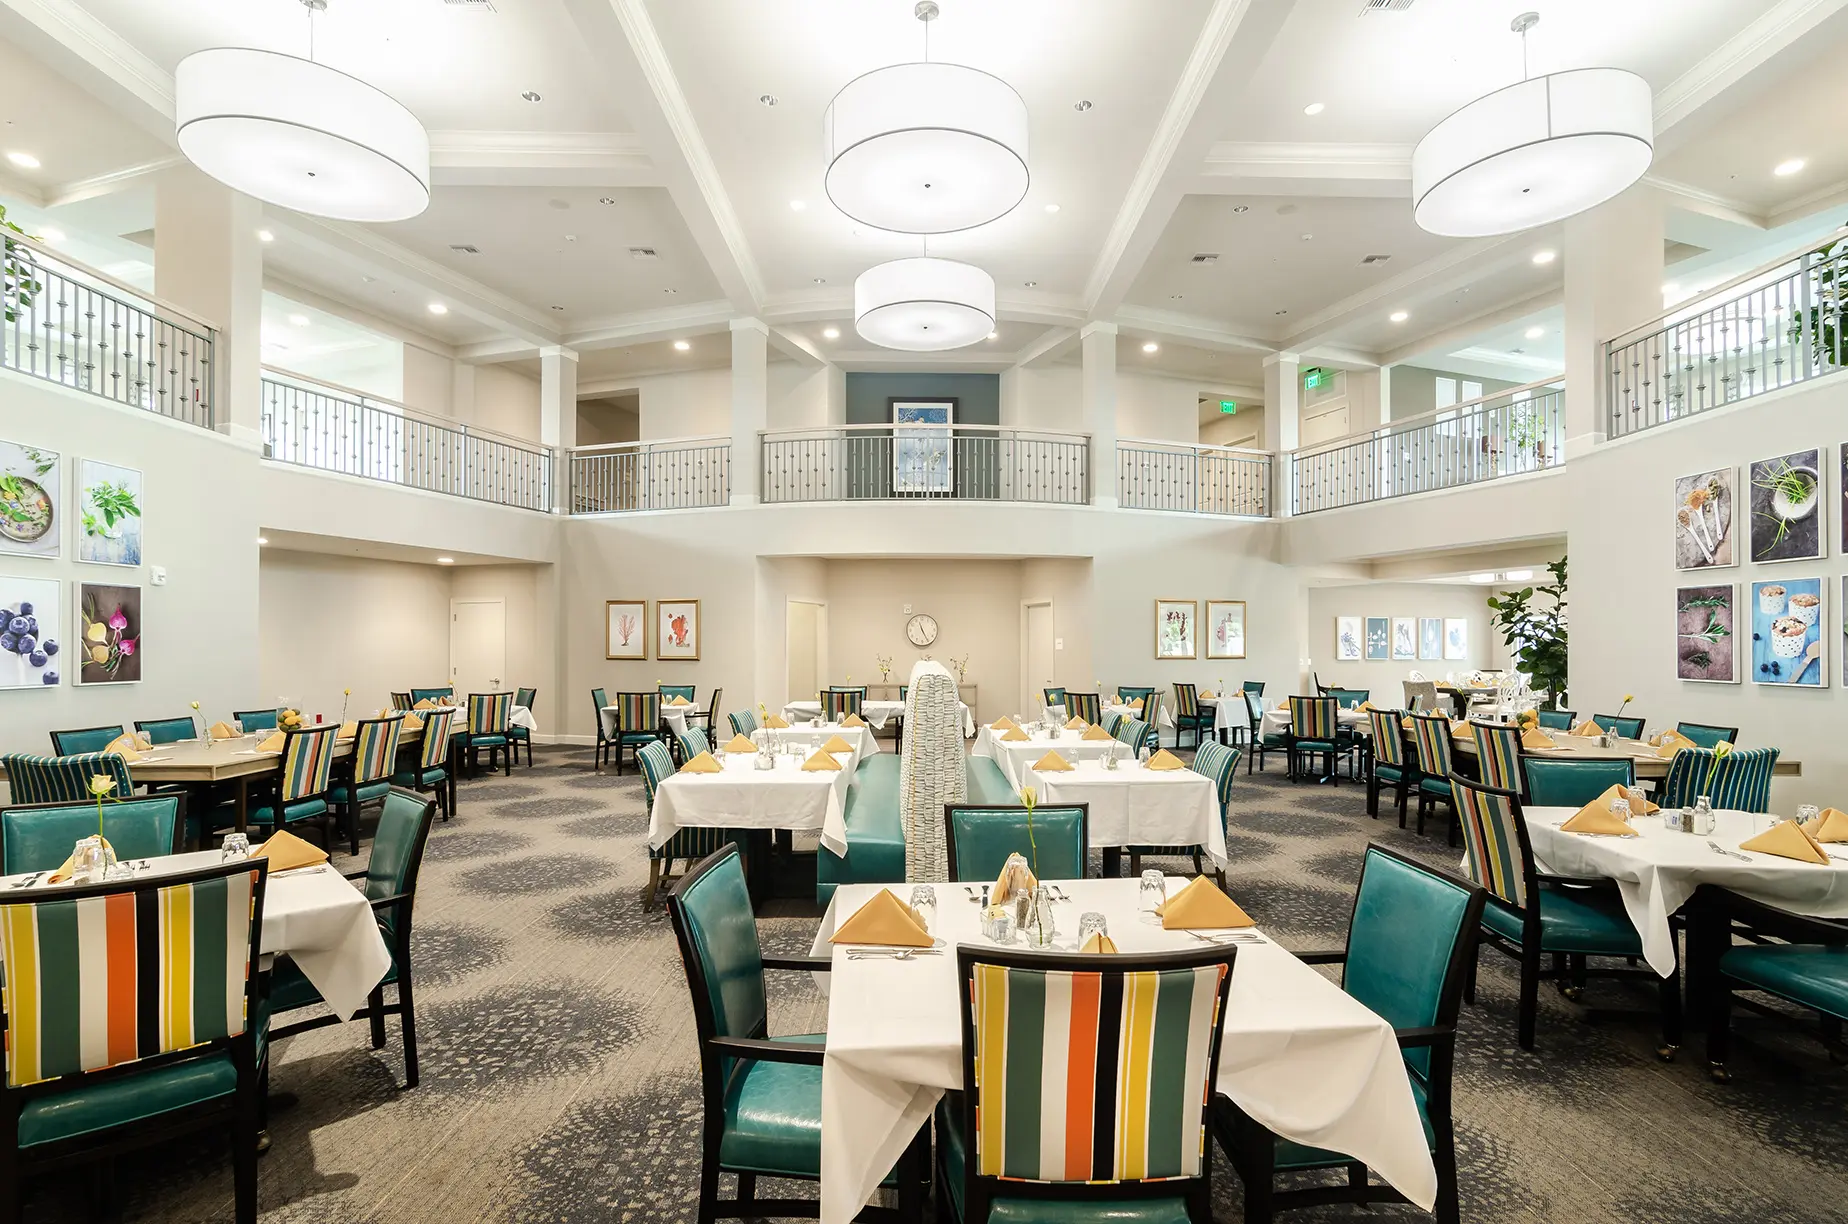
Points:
(923, 305)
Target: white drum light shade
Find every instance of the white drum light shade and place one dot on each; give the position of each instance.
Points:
(292, 132)
(923, 305)
(926, 148)
(1533, 153)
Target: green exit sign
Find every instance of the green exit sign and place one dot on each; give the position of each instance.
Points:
(1228, 406)
(1314, 376)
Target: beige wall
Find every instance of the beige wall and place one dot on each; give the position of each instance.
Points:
(695, 404)
(518, 587)
(506, 401)
(1065, 583)
(485, 396)
(1389, 599)
(1157, 408)
(1243, 428)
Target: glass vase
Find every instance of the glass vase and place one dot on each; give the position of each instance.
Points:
(1038, 927)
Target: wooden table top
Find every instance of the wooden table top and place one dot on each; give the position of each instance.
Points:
(227, 760)
(1648, 764)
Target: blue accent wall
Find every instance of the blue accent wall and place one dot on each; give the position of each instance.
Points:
(978, 396)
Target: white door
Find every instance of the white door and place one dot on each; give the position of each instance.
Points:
(804, 645)
(477, 646)
(1037, 657)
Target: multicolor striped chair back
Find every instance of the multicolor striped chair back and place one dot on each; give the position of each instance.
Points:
(1083, 705)
(1388, 739)
(1186, 700)
(401, 701)
(693, 741)
(1064, 1056)
(63, 779)
(638, 713)
(488, 713)
(1113, 722)
(837, 704)
(112, 973)
(657, 767)
(1495, 850)
(1498, 755)
(307, 761)
(1314, 718)
(436, 738)
(1431, 736)
(744, 723)
(375, 749)
(1741, 781)
(1219, 763)
(1136, 734)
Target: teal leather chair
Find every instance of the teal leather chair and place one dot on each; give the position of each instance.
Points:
(1806, 966)
(1219, 764)
(1626, 728)
(1563, 782)
(63, 779)
(1741, 781)
(390, 885)
(365, 776)
(87, 739)
(168, 730)
(1052, 696)
(429, 769)
(1410, 945)
(1557, 720)
(255, 720)
(1349, 699)
(520, 735)
(979, 839)
(1255, 687)
(761, 1096)
(668, 691)
(1706, 735)
(446, 695)
(598, 699)
(71, 1104)
(1261, 743)
(39, 836)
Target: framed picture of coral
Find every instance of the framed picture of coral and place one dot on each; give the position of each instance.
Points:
(1174, 629)
(108, 513)
(1787, 507)
(29, 482)
(108, 634)
(1706, 641)
(1225, 628)
(1379, 638)
(1404, 637)
(625, 629)
(677, 630)
(1456, 638)
(1430, 637)
(1705, 511)
(1347, 639)
(31, 646)
(1787, 633)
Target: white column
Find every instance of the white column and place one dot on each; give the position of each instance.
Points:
(1283, 394)
(558, 379)
(208, 259)
(1385, 394)
(1613, 283)
(750, 406)
(1099, 341)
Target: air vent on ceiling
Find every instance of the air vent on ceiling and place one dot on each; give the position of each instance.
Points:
(1366, 6)
(487, 6)
(642, 253)
(1206, 258)
(465, 248)
(1374, 259)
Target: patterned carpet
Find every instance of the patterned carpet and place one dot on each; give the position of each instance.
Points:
(559, 1071)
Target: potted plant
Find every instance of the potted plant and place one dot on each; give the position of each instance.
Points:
(1535, 632)
(18, 283)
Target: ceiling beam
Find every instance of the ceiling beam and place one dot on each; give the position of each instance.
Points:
(1462, 266)
(1457, 333)
(109, 183)
(1381, 171)
(82, 49)
(1051, 345)
(1693, 199)
(540, 159)
(1197, 331)
(1782, 26)
(797, 348)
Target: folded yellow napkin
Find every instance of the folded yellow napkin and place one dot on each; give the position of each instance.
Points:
(1166, 760)
(740, 743)
(1673, 741)
(1016, 736)
(1406, 722)
(1459, 729)
(1595, 817)
(1534, 737)
(821, 762)
(223, 730)
(703, 763)
(1588, 727)
(1639, 801)
(1052, 762)
(1787, 839)
(285, 852)
(1364, 706)
(63, 872)
(1206, 696)
(1136, 704)
(884, 920)
(776, 721)
(837, 744)
(1830, 825)
(413, 723)
(348, 730)
(425, 704)
(853, 720)
(680, 701)
(274, 743)
(1096, 733)
(1008, 885)
(1099, 942)
(124, 745)
(1201, 906)
(1075, 723)
(1003, 723)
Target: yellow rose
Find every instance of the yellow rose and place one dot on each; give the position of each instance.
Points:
(195, 705)
(101, 784)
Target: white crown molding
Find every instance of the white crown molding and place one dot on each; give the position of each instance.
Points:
(1053, 344)
(1196, 330)
(1831, 196)
(1259, 159)
(118, 66)
(1463, 264)
(1707, 203)
(108, 183)
(1781, 26)
(297, 292)
(541, 159)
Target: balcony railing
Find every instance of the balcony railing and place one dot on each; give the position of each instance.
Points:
(1774, 327)
(80, 328)
(1510, 432)
(909, 462)
(336, 429)
(1197, 479)
(674, 474)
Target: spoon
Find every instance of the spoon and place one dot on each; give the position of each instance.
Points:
(1810, 656)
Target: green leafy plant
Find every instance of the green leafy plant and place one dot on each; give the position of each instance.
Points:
(1535, 631)
(1797, 485)
(113, 502)
(1824, 321)
(18, 285)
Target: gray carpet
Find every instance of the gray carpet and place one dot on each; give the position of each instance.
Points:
(559, 1070)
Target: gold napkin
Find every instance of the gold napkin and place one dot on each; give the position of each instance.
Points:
(1534, 737)
(853, 720)
(884, 920)
(821, 762)
(837, 744)
(1003, 723)
(1364, 706)
(740, 743)
(703, 763)
(1639, 802)
(1588, 727)
(274, 743)
(1406, 722)
(285, 852)
(680, 701)
(1075, 723)
(1166, 760)
(223, 730)
(412, 723)
(1674, 741)
(1786, 839)
(348, 730)
(425, 704)
(1830, 825)
(1201, 906)
(1094, 734)
(1459, 729)
(1136, 705)
(776, 721)
(1052, 762)
(1099, 942)
(1206, 696)
(1595, 817)
(1016, 736)
(63, 873)
(126, 746)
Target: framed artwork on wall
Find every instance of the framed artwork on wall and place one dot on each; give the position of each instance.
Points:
(625, 629)
(1174, 628)
(1706, 638)
(108, 513)
(1430, 637)
(1456, 638)
(677, 629)
(1844, 511)
(29, 484)
(31, 633)
(921, 458)
(109, 637)
(1404, 637)
(1787, 636)
(1844, 615)
(1225, 628)
(1705, 512)
(1347, 639)
(1379, 638)
(1787, 507)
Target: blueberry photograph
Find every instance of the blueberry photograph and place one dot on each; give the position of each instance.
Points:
(30, 645)
(1787, 633)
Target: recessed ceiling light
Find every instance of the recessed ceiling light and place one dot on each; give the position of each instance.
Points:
(1052, 208)
(1241, 208)
(531, 95)
(263, 539)
(1032, 284)
(558, 308)
(1785, 169)
(821, 280)
(830, 333)
(1151, 347)
(445, 560)
(1082, 105)
(437, 308)
(298, 320)
(606, 199)
(767, 99)
(1534, 333)
(1314, 108)
(1308, 237)
(25, 161)
(797, 205)
(1545, 257)
(265, 236)
(50, 234)
(1518, 575)
(1482, 577)
(681, 346)
(1399, 316)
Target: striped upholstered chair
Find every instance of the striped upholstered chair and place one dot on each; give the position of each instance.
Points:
(690, 844)
(1530, 916)
(692, 743)
(1392, 765)
(638, 724)
(1113, 722)
(1087, 706)
(1220, 764)
(1741, 781)
(1136, 735)
(153, 1063)
(838, 703)
(365, 777)
(1314, 731)
(489, 721)
(299, 792)
(431, 770)
(1076, 1152)
(744, 723)
(1431, 737)
(1498, 756)
(63, 779)
(1188, 716)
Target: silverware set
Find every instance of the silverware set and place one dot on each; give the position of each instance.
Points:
(1057, 893)
(1719, 849)
(897, 954)
(28, 882)
(1247, 937)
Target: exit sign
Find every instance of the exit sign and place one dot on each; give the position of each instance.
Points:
(1228, 406)
(1314, 376)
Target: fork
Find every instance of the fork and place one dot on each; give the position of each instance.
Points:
(28, 882)
(1719, 849)
(1249, 937)
(897, 954)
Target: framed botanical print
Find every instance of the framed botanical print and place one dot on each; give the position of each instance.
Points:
(1706, 642)
(29, 504)
(1787, 507)
(1705, 511)
(1174, 628)
(1456, 638)
(1430, 637)
(625, 629)
(1789, 642)
(31, 633)
(1404, 637)
(1225, 628)
(1347, 639)
(108, 513)
(677, 629)
(1379, 638)
(108, 634)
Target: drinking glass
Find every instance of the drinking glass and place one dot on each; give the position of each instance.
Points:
(924, 901)
(1153, 893)
(236, 846)
(1620, 808)
(1807, 812)
(998, 924)
(1090, 923)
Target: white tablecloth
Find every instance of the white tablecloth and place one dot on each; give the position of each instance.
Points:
(519, 716)
(1133, 806)
(674, 716)
(1015, 756)
(324, 924)
(742, 796)
(1658, 870)
(1298, 1054)
(1276, 722)
(877, 713)
(864, 742)
(1163, 717)
(1228, 712)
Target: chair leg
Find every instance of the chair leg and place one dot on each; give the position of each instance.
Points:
(1135, 866)
(407, 1026)
(654, 879)
(353, 828)
(375, 1003)
(1447, 1209)
(1530, 996)
(1469, 976)
(243, 1159)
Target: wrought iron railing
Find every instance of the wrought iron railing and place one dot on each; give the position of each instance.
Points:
(80, 328)
(1779, 325)
(909, 462)
(673, 474)
(336, 429)
(1521, 429)
(1199, 479)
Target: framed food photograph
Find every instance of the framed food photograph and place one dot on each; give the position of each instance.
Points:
(1174, 629)
(108, 513)
(625, 629)
(31, 633)
(677, 630)
(109, 641)
(1844, 615)
(1379, 638)
(1225, 628)
(1705, 512)
(1787, 633)
(1787, 514)
(1404, 637)
(1430, 637)
(29, 502)
(1706, 640)
(1456, 638)
(1347, 639)
(1843, 500)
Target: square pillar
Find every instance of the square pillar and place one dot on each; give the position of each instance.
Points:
(1283, 401)
(1613, 284)
(1098, 342)
(209, 260)
(750, 406)
(558, 379)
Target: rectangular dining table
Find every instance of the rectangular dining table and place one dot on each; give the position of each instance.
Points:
(864, 742)
(1016, 756)
(875, 713)
(741, 796)
(1650, 765)
(1297, 1053)
(1133, 805)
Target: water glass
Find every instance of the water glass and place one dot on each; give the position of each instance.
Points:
(924, 901)
(1154, 892)
(1620, 808)
(1090, 923)
(236, 846)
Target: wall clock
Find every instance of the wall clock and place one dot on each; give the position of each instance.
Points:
(921, 629)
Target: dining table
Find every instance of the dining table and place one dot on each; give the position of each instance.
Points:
(1650, 763)
(864, 742)
(875, 714)
(1134, 805)
(1277, 721)
(1297, 1053)
(742, 796)
(1016, 756)
(1163, 716)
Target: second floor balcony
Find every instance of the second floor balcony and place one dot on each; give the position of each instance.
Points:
(913, 462)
